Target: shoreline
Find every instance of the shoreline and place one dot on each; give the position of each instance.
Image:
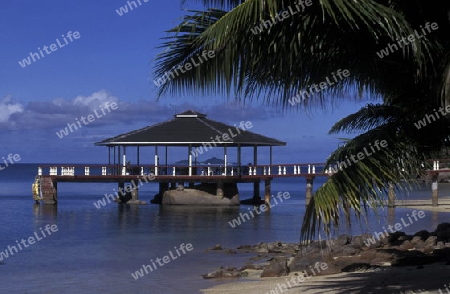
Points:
(416, 266)
(440, 208)
(411, 279)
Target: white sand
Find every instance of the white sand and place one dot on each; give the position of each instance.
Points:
(384, 280)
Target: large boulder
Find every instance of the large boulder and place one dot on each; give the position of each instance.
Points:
(197, 197)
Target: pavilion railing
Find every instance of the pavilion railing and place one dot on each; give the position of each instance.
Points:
(177, 170)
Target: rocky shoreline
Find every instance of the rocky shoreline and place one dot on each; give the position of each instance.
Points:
(344, 254)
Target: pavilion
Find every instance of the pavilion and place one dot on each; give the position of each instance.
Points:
(192, 130)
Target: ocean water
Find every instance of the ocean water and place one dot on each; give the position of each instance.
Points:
(97, 250)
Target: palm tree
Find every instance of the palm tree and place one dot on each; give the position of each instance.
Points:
(261, 53)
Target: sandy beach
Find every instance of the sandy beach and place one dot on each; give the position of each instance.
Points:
(432, 278)
(428, 279)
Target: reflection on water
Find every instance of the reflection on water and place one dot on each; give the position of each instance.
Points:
(45, 211)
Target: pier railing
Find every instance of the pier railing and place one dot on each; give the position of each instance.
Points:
(279, 170)
(437, 164)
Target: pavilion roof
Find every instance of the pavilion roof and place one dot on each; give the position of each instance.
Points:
(190, 128)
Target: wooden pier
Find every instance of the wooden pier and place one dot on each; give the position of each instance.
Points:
(198, 134)
(173, 175)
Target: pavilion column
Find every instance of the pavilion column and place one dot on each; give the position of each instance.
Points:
(118, 161)
(225, 160)
(190, 159)
(124, 169)
(191, 183)
(114, 161)
(239, 160)
(270, 160)
(166, 156)
(138, 155)
(256, 196)
(156, 160)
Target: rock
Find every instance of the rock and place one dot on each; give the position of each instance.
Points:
(422, 234)
(197, 197)
(406, 245)
(417, 242)
(252, 266)
(443, 227)
(443, 253)
(223, 273)
(322, 244)
(440, 245)
(217, 247)
(428, 249)
(343, 240)
(393, 237)
(229, 251)
(357, 242)
(404, 238)
(355, 267)
(367, 240)
(443, 236)
(303, 259)
(277, 268)
(348, 250)
(276, 247)
(414, 257)
(377, 256)
(431, 241)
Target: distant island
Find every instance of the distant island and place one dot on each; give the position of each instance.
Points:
(212, 160)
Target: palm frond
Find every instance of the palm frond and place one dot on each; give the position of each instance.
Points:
(288, 56)
(367, 118)
(362, 185)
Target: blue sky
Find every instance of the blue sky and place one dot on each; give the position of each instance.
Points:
(112, 61)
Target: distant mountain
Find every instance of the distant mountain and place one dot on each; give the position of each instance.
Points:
(212, 160)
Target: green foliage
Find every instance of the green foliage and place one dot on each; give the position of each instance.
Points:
(277, 62)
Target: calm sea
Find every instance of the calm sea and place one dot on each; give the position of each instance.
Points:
(96, 250)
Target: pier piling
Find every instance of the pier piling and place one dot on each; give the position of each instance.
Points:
(391, 195)
(256, 194)
(309, 188)
(434, 189)
(267, 188)
(219, 190)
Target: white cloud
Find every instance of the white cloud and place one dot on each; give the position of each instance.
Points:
(8, 107)
(94, 100)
